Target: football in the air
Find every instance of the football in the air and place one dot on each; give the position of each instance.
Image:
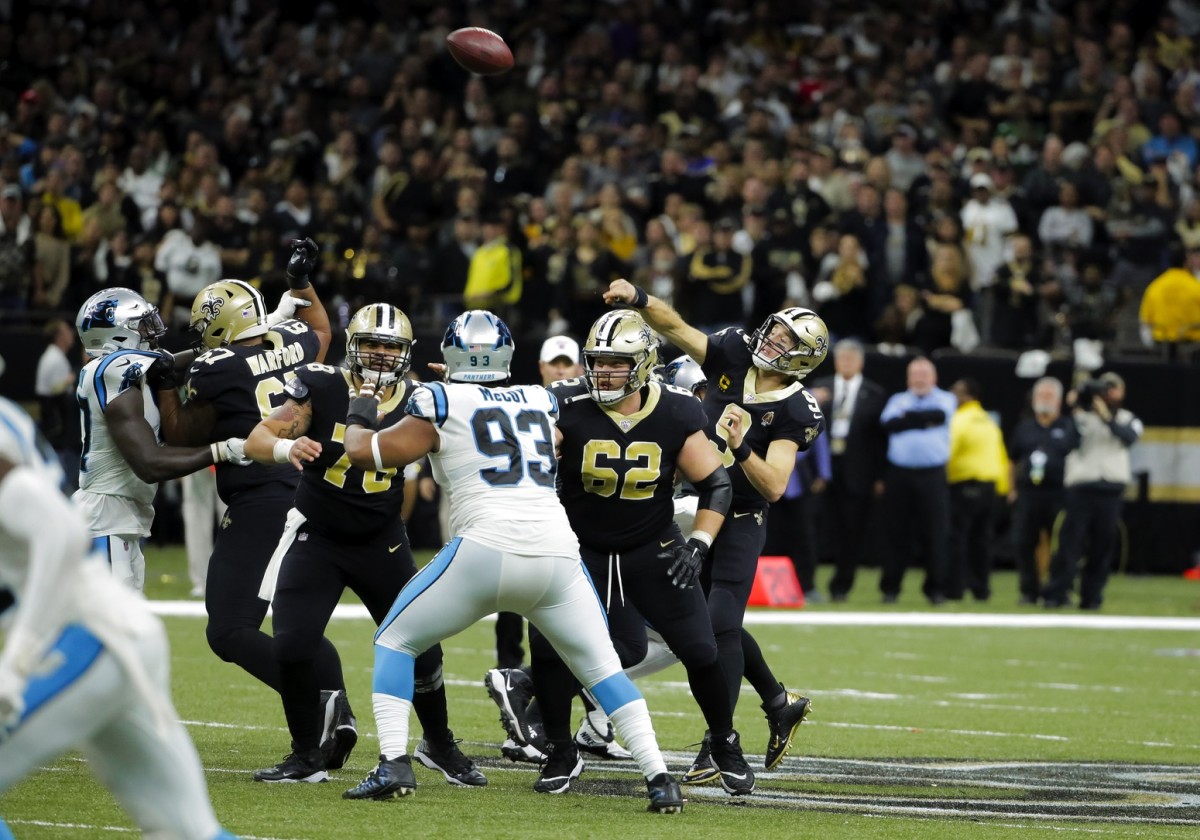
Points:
(480, 50)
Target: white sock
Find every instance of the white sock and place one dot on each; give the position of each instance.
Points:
(632, 722)
(391, 719)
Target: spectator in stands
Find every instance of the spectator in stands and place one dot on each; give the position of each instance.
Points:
(52, 259)
(189, 261)
(714, 279)
(17, 250)
(1020, 290)
(1170, 308)
(494, 278)
(987, 221)
(1066, 224)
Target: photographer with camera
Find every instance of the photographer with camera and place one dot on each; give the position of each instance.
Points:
(1097, 473)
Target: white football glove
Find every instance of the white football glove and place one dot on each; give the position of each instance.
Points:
(231, 451)
(12, 700)
(286, 310)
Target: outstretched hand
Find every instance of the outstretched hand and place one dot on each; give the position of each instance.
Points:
(303, 261)
(620, 293)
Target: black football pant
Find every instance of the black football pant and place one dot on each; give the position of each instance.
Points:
(792, 533)
(316, 570)
(1091, 519)
(245, 542)
(917, 504)
(970, 554)
(636, 590)
(1036, 510)
(728, 578)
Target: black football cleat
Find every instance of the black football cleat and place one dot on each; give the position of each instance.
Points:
(512, 690)
(340, 731)
(562, 767)
(296, 767)
(702, 770)
(736, 776)
(391, 779)
(665, 795)
(450, 761)
(783, 723)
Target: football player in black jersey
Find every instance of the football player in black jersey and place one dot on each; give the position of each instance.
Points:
(234, 384)
(759, 417)
(344, 530)
(621, 437)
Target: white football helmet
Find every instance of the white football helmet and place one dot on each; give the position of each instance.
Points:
(385, 324)
(684, 372)
(620, 333)
(811, 338)
(118, 319)
(477, 347)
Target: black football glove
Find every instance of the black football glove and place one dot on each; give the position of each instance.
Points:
(302, 263)
(687, 560)
(162, 375)
(364, 411)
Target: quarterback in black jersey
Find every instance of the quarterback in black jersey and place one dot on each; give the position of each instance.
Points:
(759, 417)
(237, 382)
(344, 530)
(621, 437)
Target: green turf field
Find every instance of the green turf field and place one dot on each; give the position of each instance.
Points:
(917, 731)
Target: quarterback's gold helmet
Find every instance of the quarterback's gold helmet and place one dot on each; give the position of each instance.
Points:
(227, 311)
(811, 342)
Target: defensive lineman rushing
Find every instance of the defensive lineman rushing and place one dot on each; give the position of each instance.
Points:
(622, 436)
(759, 416)
(122, 462)
(344, 530)
(492, 450)
(85, 665)
(238, 382)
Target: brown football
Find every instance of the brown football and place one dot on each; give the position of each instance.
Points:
(479, 50)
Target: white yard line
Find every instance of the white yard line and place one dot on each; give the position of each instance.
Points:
(195, 609)
(116, 828)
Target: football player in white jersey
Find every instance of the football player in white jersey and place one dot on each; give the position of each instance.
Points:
(492, 450)
(85, 664)
(122, 459)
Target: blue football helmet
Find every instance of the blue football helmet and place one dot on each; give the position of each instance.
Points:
(478, 348)
(118, 319)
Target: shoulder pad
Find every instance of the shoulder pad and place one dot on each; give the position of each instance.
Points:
(296, 389)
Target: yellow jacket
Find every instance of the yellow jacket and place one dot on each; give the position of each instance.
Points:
(1171, 306)
(494, 277)
(977, 450)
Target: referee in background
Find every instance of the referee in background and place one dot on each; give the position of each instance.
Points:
(977, 471)
(916, 498)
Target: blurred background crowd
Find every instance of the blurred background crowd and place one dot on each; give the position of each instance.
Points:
(934, 176)
(930, 174)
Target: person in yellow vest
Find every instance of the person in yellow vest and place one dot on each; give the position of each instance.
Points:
(494, 277)
(1170, 310)
(977, 471)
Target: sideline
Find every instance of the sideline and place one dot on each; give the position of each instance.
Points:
(195, 609)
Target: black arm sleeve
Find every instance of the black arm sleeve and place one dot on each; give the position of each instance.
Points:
(716, 492)
(1125, 433)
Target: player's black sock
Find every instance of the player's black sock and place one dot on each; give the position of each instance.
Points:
(554, 685)
(759, 674)
(301, 695)
(708, 687)
(329, 667)
(429, 698)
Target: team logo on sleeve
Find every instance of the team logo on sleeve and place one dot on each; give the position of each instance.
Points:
(810, 434)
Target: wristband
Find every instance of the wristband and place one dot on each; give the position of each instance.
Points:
(741, 452)
(701, 537)
(282, 451)
(363, 411)
(640, 298)
(375, 452)
(215, 449)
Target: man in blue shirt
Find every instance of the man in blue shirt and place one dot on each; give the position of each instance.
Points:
(916, 499)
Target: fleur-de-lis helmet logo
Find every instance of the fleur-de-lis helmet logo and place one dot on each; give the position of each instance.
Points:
(212, 307)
